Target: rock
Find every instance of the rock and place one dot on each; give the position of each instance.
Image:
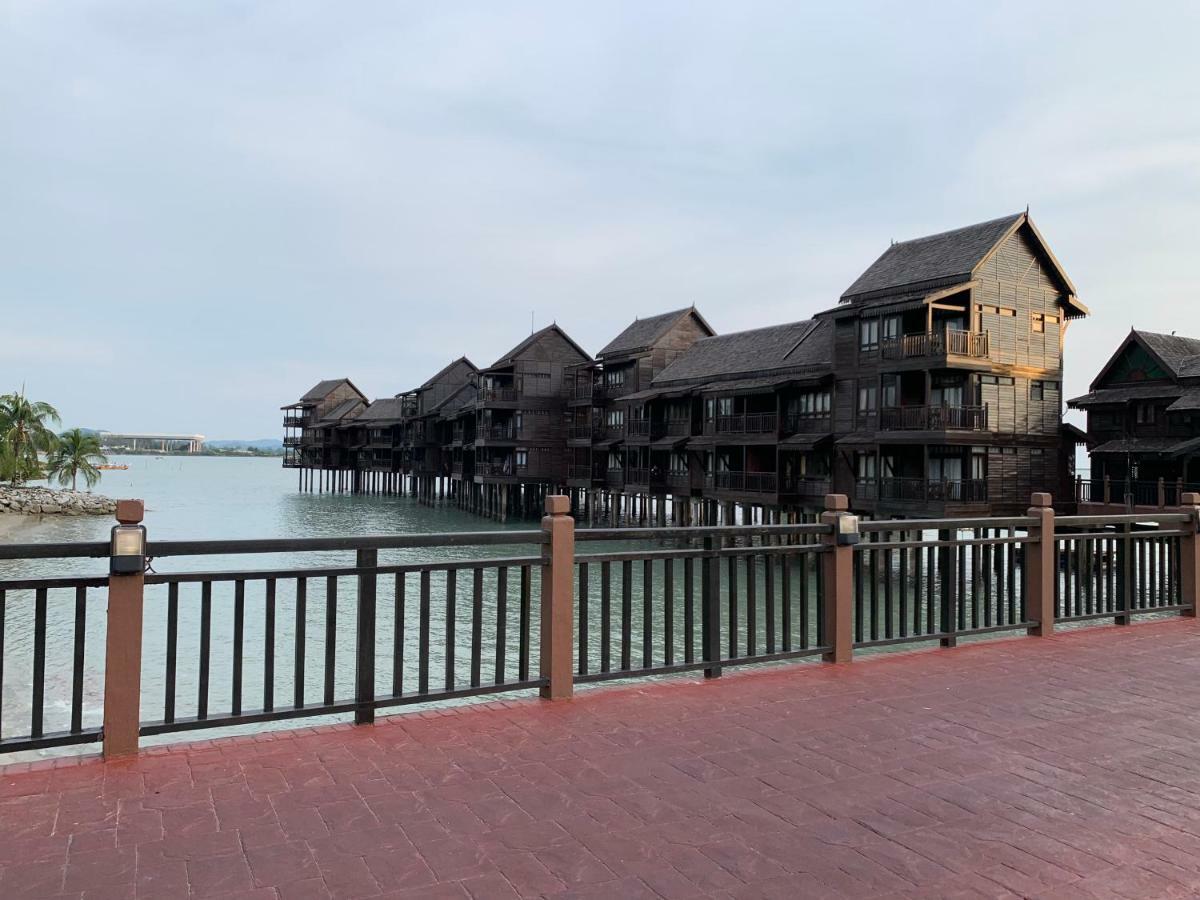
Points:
(46, 501)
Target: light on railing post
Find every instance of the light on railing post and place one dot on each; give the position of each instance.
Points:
(846, 530)
(1189, 554)
(123, 640)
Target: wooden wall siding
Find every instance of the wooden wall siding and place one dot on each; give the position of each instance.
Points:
(339, 394)
(1017, 277)
(449, 382)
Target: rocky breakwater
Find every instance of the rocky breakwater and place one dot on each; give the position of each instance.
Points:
(37, 501)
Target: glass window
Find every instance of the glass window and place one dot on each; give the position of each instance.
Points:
(1036, 390)
(868, 334)
(867, 398)
(891, 327)
(890, 391)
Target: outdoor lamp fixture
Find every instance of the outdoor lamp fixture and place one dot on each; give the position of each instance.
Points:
(846, 530)
(127, 553)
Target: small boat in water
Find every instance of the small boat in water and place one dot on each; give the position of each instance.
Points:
(121, 466)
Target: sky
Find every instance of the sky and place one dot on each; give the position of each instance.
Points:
(205, 208)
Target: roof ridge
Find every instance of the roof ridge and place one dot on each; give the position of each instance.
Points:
(940, 234)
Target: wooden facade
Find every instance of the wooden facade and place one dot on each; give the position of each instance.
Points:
(1143, 423)
(933, 388)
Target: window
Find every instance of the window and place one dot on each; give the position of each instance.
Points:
(679, 463)
(1146, 413)
(614, 377)
(868, 334)
(891, 327)
(1041, 320)
(522, 459)
(519, 421)
(867, 398)
(614, 461)
(890, 391)
(988, 309)
(810, 403)
(865, 467)
(615, 418)
(1037, 390)
(725, 406)
(710, 409)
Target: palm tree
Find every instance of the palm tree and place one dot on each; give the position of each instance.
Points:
(25, 432)
(77, 453)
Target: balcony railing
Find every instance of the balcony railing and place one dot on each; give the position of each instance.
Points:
(1165, 492)
(637, 475)
(751, 423)
(950, 342)
(934, 418)
(295, 420)
(672, 428)
(497, 395)
(498, 433)
(921, 490)
(588, 391)
(806, 423)
(639, 427)
(750, 482)
(579, 473)
(679, 480)
(805, 487)
(291, 440)
(579, 433)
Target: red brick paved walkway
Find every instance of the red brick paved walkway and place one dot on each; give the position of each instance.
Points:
(1067, 767)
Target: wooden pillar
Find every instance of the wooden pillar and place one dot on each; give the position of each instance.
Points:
(1041, 558)
(838, 581)
(558, 598)
(1189, 554)
(123, 652)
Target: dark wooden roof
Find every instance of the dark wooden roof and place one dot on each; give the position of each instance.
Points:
(1126, 393)
(511, 356)
(385, 409)
(937, 258)
(642, 333)
(796, 346)
(321, 389)
(461, 398)
(446, 371)
(1177, 353)
(340, 411)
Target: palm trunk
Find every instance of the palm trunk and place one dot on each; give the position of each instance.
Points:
(74, 479)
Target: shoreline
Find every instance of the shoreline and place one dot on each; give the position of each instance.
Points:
(36, 500)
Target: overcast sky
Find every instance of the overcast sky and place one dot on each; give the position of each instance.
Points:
(207, 207)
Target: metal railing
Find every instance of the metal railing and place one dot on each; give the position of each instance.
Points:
(1161, 494)
(949, 342)
(934, 418)
(352, 625)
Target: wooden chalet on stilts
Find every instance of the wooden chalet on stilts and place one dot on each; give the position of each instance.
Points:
(932, 389)
(1143, 424)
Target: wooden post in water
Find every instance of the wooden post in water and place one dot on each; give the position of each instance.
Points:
(558, 598)
(123, 652)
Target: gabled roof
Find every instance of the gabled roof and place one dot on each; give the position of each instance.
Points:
(340, 411)
(794, 346)
(446, 370)
(642, 333)
(950, 258)
(462, 397)
(936, 257)
(508, 358)
(1125, 394)
(321, 389)
(1176, 354)
(1173, 351)
(389, 409)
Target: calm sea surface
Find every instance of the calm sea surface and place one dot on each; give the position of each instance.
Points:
(198, 498)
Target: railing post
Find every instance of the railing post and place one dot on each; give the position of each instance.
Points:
(123, 651)
(1107, 490)
(837, 584)
(710, 608)
(1041, 564)
(364, 666)
(1162, 494)
(1189, 553)
(558, 600)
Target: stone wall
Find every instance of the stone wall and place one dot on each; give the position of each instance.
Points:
(34, 501)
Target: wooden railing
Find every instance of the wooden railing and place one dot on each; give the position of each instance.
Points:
(803, 423)
(971, 490)
(497, 395)
(579, 432)
(672, 428)
(752, 482)
(1162, 493)
(949, 342)
(750, 423)
(638, 427)
(934, 418)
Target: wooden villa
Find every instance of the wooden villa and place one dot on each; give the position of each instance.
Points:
(1143, 424)
(932, 389)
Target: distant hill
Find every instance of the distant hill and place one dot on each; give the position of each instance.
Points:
(263, 444)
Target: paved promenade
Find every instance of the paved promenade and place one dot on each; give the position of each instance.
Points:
(1065, 767)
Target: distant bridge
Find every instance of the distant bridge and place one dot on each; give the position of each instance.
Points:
(191, 443)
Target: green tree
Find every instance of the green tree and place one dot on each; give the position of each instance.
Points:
(76, 453)
(25, 431)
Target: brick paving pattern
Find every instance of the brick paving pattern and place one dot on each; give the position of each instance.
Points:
(1064, 767)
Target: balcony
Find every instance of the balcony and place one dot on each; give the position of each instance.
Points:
(638, 476)
(671, 428)
(950, 342)
(639, 428)
(806, 423)
(614, 477)
(921, 490)
(496, 433)
(746, 482)
(579, 433)
(588, 392)
(497, 395)
(679, 480)
(291, 440)
(750, 423)
(579, 473)
(295, 420)
(806, 487)
(934, 418)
